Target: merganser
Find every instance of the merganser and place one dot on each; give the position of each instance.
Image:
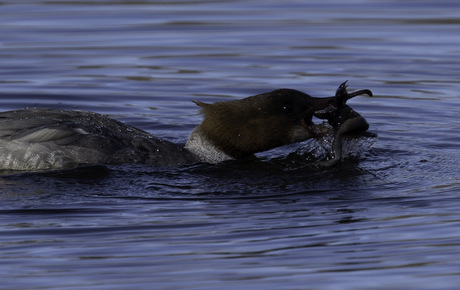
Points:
(47, 139)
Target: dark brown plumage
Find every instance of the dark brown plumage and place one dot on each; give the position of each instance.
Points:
(260, 122)
(34, 139)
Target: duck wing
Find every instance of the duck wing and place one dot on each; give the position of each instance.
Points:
(32, 139)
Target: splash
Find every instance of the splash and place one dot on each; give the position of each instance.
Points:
(321, 148)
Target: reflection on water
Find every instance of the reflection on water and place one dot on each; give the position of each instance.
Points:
(385, 218)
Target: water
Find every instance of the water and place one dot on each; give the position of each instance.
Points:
(388, 218)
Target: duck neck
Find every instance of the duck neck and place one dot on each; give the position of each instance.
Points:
(204, 149)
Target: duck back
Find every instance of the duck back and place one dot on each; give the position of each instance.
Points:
(43, 139)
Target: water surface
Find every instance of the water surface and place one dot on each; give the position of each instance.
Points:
(387, 218)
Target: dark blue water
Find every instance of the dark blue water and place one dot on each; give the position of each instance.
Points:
(388, 218)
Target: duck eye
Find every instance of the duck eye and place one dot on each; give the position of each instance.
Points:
(287, 108)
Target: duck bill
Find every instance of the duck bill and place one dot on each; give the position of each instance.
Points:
(317, 104)
(321, 107)
(314, 130)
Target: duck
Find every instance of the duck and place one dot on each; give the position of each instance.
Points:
(34, 139)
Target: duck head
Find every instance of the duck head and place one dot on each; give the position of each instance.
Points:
(239, 128)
